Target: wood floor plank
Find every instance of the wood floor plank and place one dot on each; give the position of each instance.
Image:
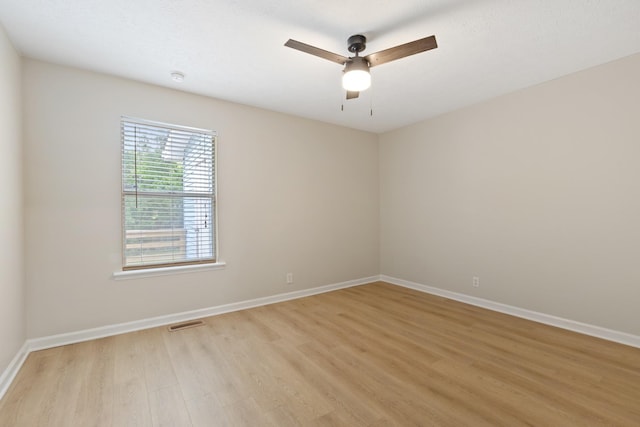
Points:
(158, 370)
(339, 393)
(74, 361)
(130, 396)
(94, 406)
(372, 355)
(206, 411)
(23, 405)
(168, 408)
(200, 367)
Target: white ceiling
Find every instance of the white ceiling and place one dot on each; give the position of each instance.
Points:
(233, 49)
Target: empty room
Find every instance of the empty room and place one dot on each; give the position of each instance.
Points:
(305, 213)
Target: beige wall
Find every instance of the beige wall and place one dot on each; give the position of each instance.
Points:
(295, 196)
(536, 192)
(12, 307)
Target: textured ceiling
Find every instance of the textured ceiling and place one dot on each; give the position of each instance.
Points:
(233, 49)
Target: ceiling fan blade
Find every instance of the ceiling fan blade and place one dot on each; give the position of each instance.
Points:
(401, 51)
(352, 94)
(307, 48)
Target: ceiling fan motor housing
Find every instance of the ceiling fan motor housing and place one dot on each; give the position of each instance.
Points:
(357, 43)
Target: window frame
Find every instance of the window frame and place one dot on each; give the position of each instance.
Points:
(181, 264)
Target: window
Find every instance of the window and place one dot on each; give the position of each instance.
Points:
(168, 195)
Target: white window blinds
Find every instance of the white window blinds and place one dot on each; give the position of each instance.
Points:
(168, 194)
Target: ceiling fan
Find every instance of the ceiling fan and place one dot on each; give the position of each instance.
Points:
(356, 77)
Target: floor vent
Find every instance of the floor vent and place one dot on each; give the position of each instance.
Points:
(181, 326)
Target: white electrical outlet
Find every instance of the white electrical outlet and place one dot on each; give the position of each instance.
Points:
(289, 278)
(476, 282)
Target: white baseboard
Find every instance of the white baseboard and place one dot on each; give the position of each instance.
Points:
(11, 371)
(42, 343)
(572, 325)
(121, 328)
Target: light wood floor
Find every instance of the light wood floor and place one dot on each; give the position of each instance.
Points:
(373, 355)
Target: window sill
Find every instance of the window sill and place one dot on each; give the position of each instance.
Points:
(166, 271)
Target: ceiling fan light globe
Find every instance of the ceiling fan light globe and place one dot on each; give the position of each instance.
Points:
(356, 80)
